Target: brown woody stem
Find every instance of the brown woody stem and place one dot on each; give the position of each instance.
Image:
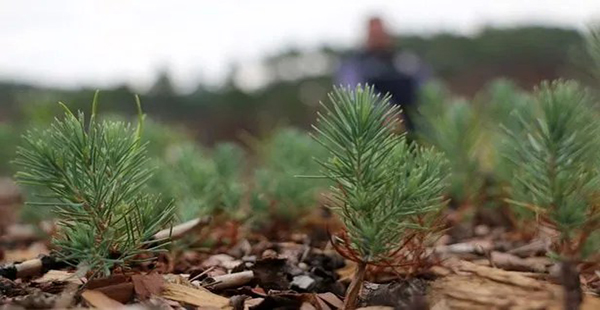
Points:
(355, 286)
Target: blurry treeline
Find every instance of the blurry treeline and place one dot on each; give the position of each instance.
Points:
(296, 81)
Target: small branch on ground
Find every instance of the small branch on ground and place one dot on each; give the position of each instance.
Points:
(32, 267)
(231, 280)
(177, 232)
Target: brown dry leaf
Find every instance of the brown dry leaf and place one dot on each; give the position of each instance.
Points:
(376, 308)
(307, 306)
(98, 300)
(101, 282)
(122, 292)
(147, 285)
(195, 296)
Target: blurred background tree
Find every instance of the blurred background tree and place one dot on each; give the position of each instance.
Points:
(297, 81)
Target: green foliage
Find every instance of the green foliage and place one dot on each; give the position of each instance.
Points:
(94, 174)
(162, 137)
(284, 156)
(382, 183)
(454, 128)
(202, 183)
(494, 106)
(555, 159)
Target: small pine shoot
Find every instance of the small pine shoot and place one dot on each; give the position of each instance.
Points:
(95, 174)
(384, 187)
(554, 157)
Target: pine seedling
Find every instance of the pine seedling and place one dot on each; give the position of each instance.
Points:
(202, 182)
(94, 173)
(554, 153)
(277, 192)
(452, 126)
(385, 189)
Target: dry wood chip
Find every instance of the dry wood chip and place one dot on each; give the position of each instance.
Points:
(331, 299)
(502, 276)
(511, 262)
(98, 300)
(59, 276)
(480, 287)
(321, 305)
(147, 285)
(473, 246)
(231, 280)
(195, 296)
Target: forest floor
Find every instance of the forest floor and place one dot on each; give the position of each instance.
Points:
(479, 264)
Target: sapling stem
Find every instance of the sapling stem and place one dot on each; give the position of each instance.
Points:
(355, 286)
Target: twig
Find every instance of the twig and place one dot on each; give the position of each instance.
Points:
(181, 230)
(530, 249)
(31, 267)
(229, 280)
(196, 277)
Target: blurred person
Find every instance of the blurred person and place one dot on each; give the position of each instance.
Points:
(380, 65)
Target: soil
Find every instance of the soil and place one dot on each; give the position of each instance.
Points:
(483, 264)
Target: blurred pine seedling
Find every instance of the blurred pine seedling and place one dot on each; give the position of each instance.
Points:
(278, 190)
(556, 174)
(453, 127)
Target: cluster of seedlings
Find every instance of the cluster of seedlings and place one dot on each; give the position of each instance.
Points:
(538, 151)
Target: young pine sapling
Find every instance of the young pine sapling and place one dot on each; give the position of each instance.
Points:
(385, 189)
(555, 165)
(95, 174)
(556, 175)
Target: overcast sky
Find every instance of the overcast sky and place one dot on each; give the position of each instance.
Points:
(70, 43)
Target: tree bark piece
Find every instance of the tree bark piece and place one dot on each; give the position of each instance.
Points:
(98, 300)
(470, 286)
(195, 296)
(514, 263)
